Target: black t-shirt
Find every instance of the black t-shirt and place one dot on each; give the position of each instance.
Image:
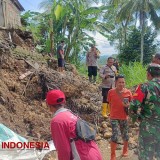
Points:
(60, 47)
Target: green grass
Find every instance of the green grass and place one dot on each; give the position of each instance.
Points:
(135, 73)
(83, 70)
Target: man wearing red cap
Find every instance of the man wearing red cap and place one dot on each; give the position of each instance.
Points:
(63, 129)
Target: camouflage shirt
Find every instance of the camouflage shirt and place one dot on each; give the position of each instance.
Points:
(146, 102)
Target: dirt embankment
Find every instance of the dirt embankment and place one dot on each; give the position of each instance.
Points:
(26, 76)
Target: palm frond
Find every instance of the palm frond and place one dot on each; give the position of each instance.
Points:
(154, 17)
(126, 10)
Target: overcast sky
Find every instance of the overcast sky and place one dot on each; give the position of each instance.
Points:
(102, 43)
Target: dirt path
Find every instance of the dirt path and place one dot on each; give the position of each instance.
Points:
(105, 150)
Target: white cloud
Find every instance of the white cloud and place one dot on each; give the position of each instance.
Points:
(103, 44)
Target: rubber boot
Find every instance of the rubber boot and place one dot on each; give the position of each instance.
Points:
(108, 109)
(125, 149)
(104, 110)
(90, 79)
(113, 150)
(94, 80)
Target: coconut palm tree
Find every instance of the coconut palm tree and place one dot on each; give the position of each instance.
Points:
(143, 10)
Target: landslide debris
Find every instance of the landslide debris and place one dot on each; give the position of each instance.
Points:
(26, 76)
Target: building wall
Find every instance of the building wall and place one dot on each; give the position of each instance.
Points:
(2, 21)
(11, 15)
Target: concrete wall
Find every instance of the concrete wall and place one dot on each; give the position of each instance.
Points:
(9, 15)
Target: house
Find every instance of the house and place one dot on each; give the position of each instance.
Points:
(10, 13)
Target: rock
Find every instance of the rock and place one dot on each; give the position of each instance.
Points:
(104, 124)
(110, 129)
(136, 124)
(2, 100)
(107, 135)
(98, 137)
(109, 124)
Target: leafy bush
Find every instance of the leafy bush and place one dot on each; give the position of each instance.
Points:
(135, 73)
(83, 70)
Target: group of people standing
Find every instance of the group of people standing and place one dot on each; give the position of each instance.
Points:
(118, 104)
(116, 100)
(143, 106)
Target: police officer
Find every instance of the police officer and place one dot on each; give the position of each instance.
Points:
(107, 73)
(92, 63)
(145, 108)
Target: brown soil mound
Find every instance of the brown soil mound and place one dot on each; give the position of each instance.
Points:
(26, 76)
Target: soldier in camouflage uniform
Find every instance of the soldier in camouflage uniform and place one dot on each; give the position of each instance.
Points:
(145, 108)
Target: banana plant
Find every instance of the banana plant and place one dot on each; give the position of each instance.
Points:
(55, 11)
(70, 18)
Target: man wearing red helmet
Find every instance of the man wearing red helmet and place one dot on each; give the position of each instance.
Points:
(63, 129)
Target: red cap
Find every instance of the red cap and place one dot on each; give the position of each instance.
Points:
(55, 97)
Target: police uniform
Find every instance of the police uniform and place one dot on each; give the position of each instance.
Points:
(107, 84)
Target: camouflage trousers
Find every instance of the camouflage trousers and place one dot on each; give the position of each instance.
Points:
(149, 141)
(119, 126)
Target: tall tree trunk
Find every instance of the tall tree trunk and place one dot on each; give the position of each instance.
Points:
(142, 16)
(142, 44)
(124, 26)
(51, 36)
(51, 40)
